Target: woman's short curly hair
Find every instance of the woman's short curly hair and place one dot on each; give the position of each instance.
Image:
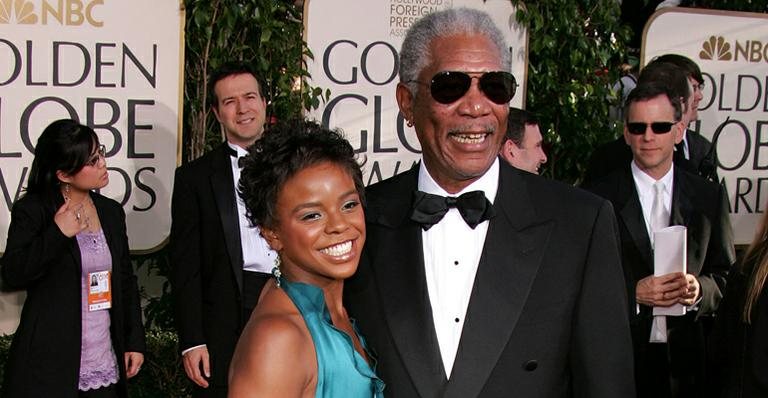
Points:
(285, 149)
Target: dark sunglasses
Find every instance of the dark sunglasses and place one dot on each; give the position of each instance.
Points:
(448, 86)
(638, 128)
(101, 152)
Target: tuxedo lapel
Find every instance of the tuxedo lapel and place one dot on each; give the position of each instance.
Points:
(683, 214)
(514, 247)
(407, 309)
(631, 213)
(224, 194)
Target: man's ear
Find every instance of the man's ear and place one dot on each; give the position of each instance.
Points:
(507, 151)
(404, 101)
(678, 129)
(272, 238)
(626, 134)
(215, 109)
(508, 148)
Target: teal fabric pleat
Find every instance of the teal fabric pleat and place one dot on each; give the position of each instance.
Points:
(341, 371)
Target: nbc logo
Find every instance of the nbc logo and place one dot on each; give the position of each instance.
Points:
(716, 48)
(63, 12)
(20, 11)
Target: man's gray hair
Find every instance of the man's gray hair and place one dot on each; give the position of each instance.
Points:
(415, 53)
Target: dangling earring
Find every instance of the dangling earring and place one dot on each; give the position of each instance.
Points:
(66, 191)
(276, 271)
(409, 123)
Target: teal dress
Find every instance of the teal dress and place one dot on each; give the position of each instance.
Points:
(341, 371)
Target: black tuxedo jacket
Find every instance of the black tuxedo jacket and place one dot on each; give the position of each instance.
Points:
(44, 358)
(547, 314)
(702, 159)
(701, 206)
(206, 259)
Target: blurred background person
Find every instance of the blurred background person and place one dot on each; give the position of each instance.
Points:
(73, 339)
(303, 187)
(740, 339)
(522, 147)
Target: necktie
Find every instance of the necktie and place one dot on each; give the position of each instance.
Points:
(429, 209)
(659, 215)
(659, 220)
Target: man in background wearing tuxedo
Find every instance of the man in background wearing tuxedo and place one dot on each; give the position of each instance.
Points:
(219, 263)
(693, 153)
(649, 193)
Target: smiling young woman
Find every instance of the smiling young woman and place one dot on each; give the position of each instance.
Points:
(303, 188)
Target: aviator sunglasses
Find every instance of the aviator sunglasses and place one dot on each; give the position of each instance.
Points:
(638, 128)
(448, 86)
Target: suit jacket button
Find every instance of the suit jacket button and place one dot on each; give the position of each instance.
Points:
(531, 365)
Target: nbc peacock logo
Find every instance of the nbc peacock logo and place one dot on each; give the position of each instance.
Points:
(716, 48)
(17, 11)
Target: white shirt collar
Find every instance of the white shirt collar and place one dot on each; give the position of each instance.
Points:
(644, 182)
(488, 182)
(240, 151)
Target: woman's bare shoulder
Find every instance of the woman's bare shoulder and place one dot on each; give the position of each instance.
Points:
(275, 353)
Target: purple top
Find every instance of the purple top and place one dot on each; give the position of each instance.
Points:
(98, 364)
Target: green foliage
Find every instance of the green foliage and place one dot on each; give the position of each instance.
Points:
(158, 312)
(574, 52)
(265, 33)
(162, 375)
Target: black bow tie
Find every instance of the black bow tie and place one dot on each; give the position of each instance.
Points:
(232, 152)
(429, 209)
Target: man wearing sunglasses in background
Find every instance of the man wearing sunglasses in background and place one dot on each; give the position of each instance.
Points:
(523, 147)
(650, 193)
(694, 153)
(478, 279)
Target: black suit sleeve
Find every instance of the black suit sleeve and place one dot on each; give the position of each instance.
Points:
(601, 357)
(185, 277)
(35, 243)
(719, 258)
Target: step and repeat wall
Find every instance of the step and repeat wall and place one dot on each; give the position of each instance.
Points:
(113, 65)
(731, 48)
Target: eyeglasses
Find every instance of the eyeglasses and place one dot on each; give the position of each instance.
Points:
(638, 128)
(101, 153)
(448, 86)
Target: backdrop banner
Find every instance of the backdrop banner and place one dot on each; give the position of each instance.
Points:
(355, 46)
(115, 66)
(731, 48)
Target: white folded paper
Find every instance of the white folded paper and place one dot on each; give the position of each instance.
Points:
(669, 255)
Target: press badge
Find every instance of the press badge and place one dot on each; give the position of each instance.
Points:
(99, 291)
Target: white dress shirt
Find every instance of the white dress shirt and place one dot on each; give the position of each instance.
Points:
(451, 255)
(257, 255)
